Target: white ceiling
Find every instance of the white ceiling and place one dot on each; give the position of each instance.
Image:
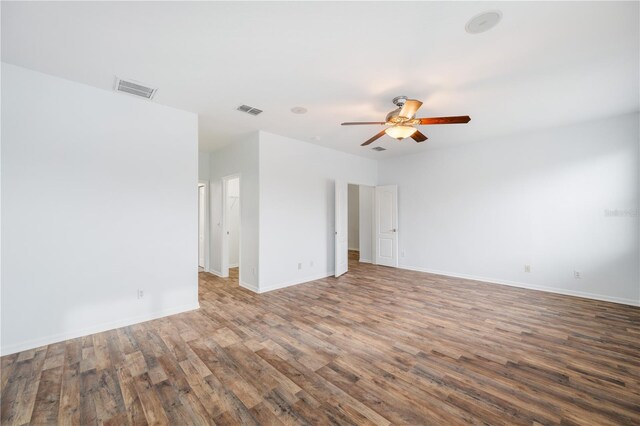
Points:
(545, 64)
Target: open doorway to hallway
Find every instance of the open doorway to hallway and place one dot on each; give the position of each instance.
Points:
(202, 228)
(353, 217)
(366, 229)
(232, 227)
(354, 225)
(226, 215)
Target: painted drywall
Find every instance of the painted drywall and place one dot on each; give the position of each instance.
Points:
(559, 200)
(99, 200)
(546, 63)
(366, 194)
(204, 161)
(233, 221)
(297, 185)
(353, 217)
(240, 158)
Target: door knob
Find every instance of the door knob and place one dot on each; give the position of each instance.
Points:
(393, 230)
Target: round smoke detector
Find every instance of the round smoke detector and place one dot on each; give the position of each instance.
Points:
(483, 22)
(299, 110)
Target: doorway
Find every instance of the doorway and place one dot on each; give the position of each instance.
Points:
(231, 227)
(360, 212)
(203, 237)
(353, 219)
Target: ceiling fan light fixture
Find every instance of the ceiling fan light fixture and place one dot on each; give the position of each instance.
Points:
(400, 132)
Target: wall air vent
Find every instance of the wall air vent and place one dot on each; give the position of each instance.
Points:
(378, 148)
(134, 88)
(249, 110)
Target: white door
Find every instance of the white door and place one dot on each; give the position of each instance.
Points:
(341, 230)
(201, 210)
(386, 225)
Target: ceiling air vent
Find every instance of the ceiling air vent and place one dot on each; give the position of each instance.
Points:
(249, 110)
(134, 88)
(378, 148)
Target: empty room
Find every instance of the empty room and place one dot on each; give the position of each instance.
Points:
(326, 213)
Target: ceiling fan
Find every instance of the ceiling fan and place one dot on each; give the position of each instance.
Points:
(401, 121)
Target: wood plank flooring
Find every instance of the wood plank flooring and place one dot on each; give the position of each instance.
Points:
(377, 346)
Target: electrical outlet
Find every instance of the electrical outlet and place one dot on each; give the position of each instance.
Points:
(577, 275)
(311, 263)
(527, 268)
(402, 253)
(299, 265)
(253, 271)
(140, 293)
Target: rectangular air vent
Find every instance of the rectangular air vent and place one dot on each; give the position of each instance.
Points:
(378, 148)
(135, 88)
(249, 110)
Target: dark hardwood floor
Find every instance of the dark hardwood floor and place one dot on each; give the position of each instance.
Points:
(376, 346)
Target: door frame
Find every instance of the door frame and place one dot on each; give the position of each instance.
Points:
(373, 221)
(341, 216)
(372, 229)
(206, 230)
(224, 246)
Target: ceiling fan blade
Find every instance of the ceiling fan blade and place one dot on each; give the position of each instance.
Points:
(419, 137)
(410, 108)
(461, 119)
(357, 123)
(378, 136)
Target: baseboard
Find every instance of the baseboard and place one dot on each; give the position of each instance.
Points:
(574, 293)
(295, 282)
(235, 265)
(249, 287)
(365, 260)
(216, 273)
(354, 249)
(48, 340)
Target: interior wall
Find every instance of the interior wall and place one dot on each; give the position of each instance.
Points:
(241, 157)
(365, 220)
(353, 217)
(99, 201)
(204, 161)
(297, 185)
(559, 200)
(233, 221)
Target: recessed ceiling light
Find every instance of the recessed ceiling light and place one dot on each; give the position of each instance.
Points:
(315, 138)
(483, 22)
(299, 110)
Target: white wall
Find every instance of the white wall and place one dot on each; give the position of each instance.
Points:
(99, 200)
(485, 210)
(203, 166)
(238, 158)
(297, 185)
(365, 221)
(233, 221)
(353, 217)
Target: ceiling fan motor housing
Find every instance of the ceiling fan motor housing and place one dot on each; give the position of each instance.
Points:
(394, 116)
(399, 101)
